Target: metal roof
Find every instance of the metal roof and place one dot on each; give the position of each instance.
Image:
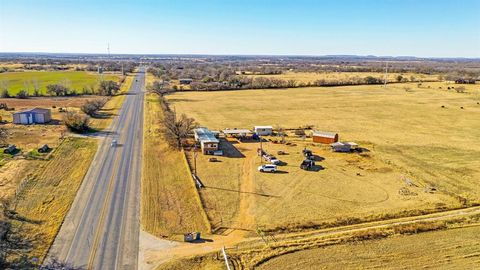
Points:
(237, 131)
(339, 144)
(34, 110)
(205, 135)
(264, 127)
(324, 134)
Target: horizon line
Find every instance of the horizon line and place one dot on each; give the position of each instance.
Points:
(241, 54)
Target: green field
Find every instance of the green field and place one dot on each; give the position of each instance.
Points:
(16, 81)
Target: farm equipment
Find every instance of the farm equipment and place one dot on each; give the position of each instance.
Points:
(307, 164)
(308, 154)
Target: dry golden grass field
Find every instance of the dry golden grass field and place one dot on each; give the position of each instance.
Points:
(170, 205)
(451, 249)
(310, 77)
(408, 133)
(44, 196)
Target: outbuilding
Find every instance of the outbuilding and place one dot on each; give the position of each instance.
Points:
(263, 130)
(238, 133)
(208, 141)
(344, 146)
(324, 137)
(32, 116)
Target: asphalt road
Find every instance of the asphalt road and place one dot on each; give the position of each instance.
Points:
(101, 230)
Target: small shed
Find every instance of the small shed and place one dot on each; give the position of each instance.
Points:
(32, 116)
(344, 146)
(324, 137)
(185, 81)
(263, 130)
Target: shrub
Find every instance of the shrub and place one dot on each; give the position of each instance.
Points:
(91, 107)
(108, 88)
(22, 94)
(76, 122)
(5, 93)
(460, 89)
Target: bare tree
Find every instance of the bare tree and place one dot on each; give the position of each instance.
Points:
(176, 129)
(36, 87)
(91, 107)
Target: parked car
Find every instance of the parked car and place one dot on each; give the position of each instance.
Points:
(44, 149)
(267, 168)
(307, 164)
(113, 143)
(11, 149)
(271, 159)
(274, 161)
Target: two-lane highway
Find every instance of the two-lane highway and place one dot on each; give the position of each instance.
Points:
(101, 229)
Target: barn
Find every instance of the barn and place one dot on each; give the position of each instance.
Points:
(32, 116)
(324, 137)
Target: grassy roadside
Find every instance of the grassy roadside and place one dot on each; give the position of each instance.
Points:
(113, 106)
(47, 196)
(169, 203)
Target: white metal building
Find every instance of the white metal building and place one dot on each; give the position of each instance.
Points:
(32, 116)
(263, 130)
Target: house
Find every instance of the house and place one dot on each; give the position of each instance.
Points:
(209, 143)
(263, 130)
(343, 146)
(32, 116)
(324, 137)
(185, 81)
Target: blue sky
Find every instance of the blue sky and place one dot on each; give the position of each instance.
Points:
(440, 28)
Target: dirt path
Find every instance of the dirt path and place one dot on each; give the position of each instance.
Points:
(245, 219)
